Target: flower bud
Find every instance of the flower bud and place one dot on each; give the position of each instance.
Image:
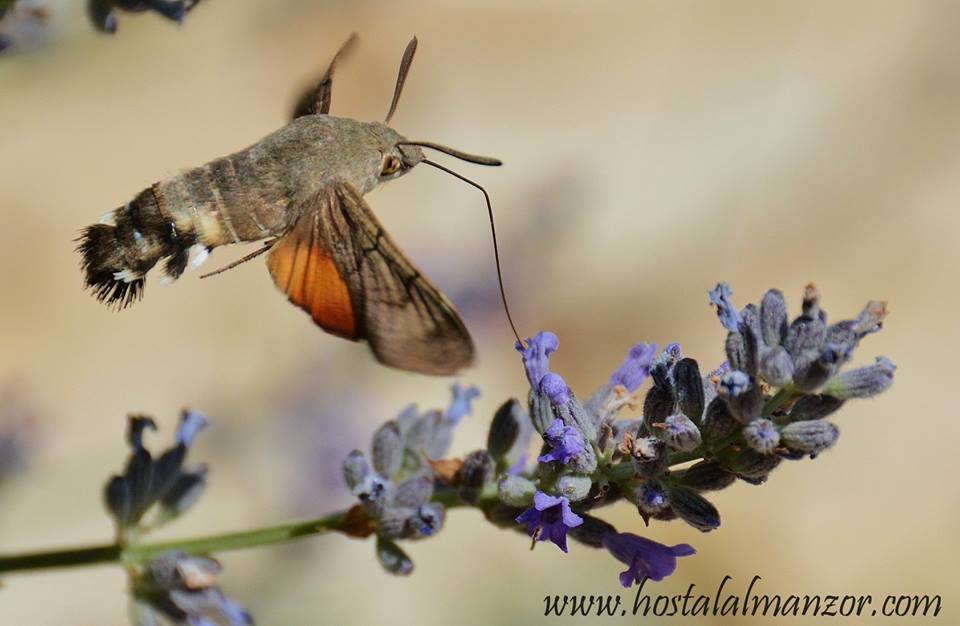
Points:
(516, 491)
(810, 375)
(573, 413)
(650, 456)
(414, 491)
(680, 433)
(811, 437)
(773, 318)
(650, 497)
(420, 435)
(742, 394)
(392, 558)
(118, 501)
(742, 350)
(355, 468)
(776, 367)
(374, 492)
(585, 462)
(541, 411)
(573, 487)
(693, 508)
(805, 336)
(718, 422)
(426, 521)
(689, 388)
(814, 407)
(750, 465)
(476, 471)
(761, 435)
(387, 450)
(504, 429)
(185, 491)
(863, 382)
(658, 404)
(707, 476)
(871, 318)
(392, 522)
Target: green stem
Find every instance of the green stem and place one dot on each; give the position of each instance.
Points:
(61, 558)
(138, 553)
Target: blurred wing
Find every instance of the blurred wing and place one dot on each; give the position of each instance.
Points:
(316, 100)
(338, 264)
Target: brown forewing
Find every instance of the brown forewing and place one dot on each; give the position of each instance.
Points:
(338, 254)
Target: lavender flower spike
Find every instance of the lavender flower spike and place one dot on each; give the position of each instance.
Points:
(565, 442)
(636, 367)
(720, 298)
(644, 558)
(550, 518)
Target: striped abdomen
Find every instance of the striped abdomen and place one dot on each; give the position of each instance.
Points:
(182, 217)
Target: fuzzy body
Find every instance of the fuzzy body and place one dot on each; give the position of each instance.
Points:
(247, 196)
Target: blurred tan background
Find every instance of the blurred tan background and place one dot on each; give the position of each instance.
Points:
(651, 150)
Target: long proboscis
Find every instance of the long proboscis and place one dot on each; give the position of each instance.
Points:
(493, 232)
(463, 156)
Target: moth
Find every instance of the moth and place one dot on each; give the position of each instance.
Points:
(300, 190)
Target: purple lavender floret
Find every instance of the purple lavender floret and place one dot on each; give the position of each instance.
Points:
(550, 518)
(565, 443)
(536, 355)
(636, 367)
(644, 558)
(720, 298)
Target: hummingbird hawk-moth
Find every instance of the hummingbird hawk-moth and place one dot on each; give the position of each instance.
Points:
(301, 190)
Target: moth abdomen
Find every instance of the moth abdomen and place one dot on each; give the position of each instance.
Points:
(118, 252)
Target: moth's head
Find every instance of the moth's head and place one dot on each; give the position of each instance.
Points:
(396, 157)
(399, 154)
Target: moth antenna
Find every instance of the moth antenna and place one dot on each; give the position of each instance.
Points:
(463, 156)
(402, 77)
(493, 232)
(240, 261)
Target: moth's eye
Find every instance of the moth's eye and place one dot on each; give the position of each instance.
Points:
(391, 165)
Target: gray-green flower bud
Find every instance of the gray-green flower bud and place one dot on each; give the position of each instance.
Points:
(392, 558)
(574, 487)
(689, 388)
(693, 508)
(516, 490)
(761, 435)
(504, 429)
(776, 366)
(387, 449)
(812, 436)
(773, 317)
(355, 468)
(863, 382)
(718, 422)
(680, 433)
(707, 476)
(476, 471)
(650, 456)
(414, 491)
(814, 407)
